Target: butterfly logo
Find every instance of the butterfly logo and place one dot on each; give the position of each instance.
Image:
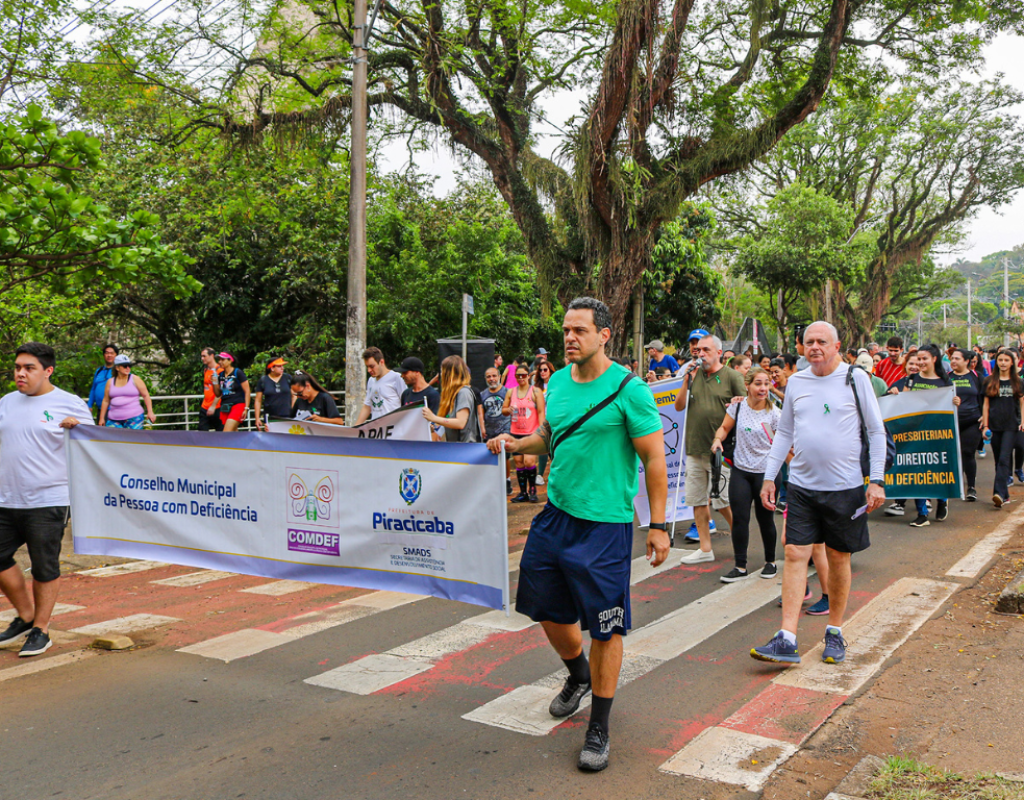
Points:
(312, 504)
(410, 484)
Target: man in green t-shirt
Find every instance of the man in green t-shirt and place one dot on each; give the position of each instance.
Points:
(574, 574)
(706, 392)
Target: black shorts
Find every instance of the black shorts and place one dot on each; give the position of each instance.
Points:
(574, 570)
(827, 518)
(41, 529)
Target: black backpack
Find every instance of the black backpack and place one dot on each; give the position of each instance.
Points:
(865, 447)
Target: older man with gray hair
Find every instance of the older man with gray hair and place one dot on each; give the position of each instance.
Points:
(708, 388)
(827, 502)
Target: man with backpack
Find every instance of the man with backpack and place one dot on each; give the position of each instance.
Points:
(574, 574)
(828, 412)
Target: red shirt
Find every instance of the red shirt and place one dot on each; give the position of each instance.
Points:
(889, 371)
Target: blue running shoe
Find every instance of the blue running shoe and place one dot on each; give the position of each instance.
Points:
(777, 651)
(1020, 475)
(820, 608)
(693, 536)
(835, 647)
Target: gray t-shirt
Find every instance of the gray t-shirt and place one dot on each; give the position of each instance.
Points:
(471, 433)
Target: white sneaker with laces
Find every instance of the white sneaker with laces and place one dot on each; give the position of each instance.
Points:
(540, 480)
(698, 557)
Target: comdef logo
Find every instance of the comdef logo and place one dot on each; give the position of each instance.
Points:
(410, 484)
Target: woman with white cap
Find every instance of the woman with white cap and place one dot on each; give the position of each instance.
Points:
(123, 398)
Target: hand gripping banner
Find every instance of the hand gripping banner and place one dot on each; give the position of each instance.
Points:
(420, 518)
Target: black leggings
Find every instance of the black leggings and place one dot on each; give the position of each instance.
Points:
(970, 437)
(744, 489)
(1002, 451)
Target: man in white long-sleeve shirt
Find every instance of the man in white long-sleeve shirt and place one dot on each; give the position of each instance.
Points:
(827, 501)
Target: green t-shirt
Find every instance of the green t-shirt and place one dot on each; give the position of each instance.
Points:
(705, 408)
(594, 473)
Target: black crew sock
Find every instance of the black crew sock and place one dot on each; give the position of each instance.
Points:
(531, 479)
(521, 477)
(600, 710)
(579, 668)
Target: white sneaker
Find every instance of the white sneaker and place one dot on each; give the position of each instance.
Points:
(540, 480)
(697, 557)
(895, 510)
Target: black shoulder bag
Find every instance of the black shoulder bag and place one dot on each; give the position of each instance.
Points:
(865, 446)
(596, 409)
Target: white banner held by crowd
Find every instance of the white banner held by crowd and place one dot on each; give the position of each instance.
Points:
(673, 425)
(407, 423)
(378, 514)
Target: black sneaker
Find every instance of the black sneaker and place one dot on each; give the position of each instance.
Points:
(533, 497)
(508, 486)
(920, 522)
(594, 755)
(736, 574)
(769, 571)
(522, 497)
(972, 495)
(941, 510)
(36, 643)
(568, 700)
(15, 630)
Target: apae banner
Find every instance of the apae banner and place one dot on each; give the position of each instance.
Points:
(673, 425)
(378, 514)
(924, 427)
(406, 423)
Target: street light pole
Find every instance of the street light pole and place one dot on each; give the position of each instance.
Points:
(355, 311)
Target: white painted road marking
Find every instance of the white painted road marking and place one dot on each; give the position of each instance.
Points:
(979, 555)
(373, 673)
(728, 756)
(135, 622)
(59, 608)
(195, 578)
(525, 709)
(122, 569)
(279, 588)
(41, 664)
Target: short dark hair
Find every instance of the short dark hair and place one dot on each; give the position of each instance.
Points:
(111, 346)
(208, 351)
(602, 316)
(895, 341)
(43, 352)
(787, 359)
(374, 353)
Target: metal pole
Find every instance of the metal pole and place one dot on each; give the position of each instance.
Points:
(969, 343)
(465, 324)
(1006, 301)
(638, 328)
(355, 327)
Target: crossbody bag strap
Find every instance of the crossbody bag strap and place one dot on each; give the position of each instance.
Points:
(596, 409)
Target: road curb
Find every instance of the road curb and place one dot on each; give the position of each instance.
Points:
(1011, 599)
(856, 783)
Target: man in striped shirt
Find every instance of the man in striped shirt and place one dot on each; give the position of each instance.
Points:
(892, 368)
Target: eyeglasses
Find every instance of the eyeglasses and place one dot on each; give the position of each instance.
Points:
(522, 374)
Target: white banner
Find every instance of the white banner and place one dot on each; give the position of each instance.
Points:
(405, 423)
(673, 425)
(394, 515)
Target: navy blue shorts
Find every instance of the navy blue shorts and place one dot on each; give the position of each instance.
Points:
(574, 570)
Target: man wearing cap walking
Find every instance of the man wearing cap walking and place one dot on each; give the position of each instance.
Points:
(417, 388)
(273, 393)
(232, 387)
(656, 350)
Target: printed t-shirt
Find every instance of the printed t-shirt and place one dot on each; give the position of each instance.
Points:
(495, 422)
(667, 362)
(231, 392)
(594, 472)
(384, 395)
(705, 408)
(277, 395)
(968, 389)
(916, 383)
(322, 405)
(1003, 411)
(755, 431)
(430, 395)
(34, 467)
(525, 416)
(464, 398)
(210, 400)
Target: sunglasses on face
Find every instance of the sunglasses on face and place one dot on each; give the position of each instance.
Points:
(522, 375)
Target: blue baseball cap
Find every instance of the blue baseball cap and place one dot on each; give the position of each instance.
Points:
(699, 333)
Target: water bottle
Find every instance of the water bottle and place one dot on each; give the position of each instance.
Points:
(988, 435)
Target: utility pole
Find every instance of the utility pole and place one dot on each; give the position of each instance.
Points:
(969, 343)
(638, 328)
(1006, 300)
(919, 341)
(355, 311)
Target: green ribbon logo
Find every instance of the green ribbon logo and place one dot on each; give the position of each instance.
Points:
(827, 409)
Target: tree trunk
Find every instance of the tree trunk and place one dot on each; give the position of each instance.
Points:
(621, 272)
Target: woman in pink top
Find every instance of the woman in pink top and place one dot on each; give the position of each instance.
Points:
(525, 404)
(123, 398)
(510, 373)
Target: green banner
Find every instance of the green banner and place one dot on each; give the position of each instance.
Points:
(924, 426)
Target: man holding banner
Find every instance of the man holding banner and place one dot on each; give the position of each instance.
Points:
(574, 574)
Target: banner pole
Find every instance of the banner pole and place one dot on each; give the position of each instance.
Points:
(679, 477)
(506, 591)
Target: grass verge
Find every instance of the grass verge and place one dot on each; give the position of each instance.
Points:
(905, 779)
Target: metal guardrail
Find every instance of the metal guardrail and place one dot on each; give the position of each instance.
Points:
(191, 406)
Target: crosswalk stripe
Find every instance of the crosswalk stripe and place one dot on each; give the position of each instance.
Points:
(59, 608)
(129, 624)
(727, 753)
(525, 709)
(279, 588)
(122, 569)
(373, 673)
(195, 578)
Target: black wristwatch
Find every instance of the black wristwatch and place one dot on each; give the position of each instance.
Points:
(658, 526)
(878, 483)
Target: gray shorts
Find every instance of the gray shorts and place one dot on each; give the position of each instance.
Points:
(697, 485)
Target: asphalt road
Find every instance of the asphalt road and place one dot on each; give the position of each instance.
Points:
(158, 723)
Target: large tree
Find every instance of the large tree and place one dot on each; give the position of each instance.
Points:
(678, 93)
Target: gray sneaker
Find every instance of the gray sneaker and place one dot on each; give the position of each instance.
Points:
(594, 755)
(568, 700)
